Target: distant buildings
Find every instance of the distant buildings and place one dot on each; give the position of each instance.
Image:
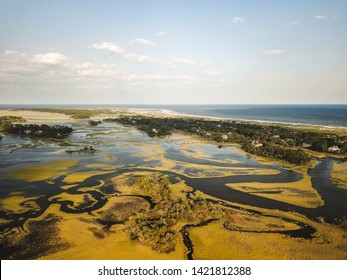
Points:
(334, 149)
(256, 144)
(306, 145)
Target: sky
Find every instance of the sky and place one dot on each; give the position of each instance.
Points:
(173, 52)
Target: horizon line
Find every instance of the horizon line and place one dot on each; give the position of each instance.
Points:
(172, 104)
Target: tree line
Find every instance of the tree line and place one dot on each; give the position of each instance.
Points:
(39, 130)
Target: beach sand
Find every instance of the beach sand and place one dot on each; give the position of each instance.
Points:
(38, 117)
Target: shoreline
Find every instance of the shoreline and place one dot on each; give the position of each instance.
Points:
(171, 113)
(165, 112)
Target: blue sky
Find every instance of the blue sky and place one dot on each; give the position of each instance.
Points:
(173, 52)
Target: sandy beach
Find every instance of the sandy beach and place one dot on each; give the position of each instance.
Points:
(38, 117)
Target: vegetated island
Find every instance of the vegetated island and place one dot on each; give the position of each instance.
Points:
(85, 149)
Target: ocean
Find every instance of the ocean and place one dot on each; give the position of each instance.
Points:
(322, 115)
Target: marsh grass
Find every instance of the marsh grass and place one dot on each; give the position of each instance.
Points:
(215, 242)
(42, 238)
(339, 174)
(41, 172)
(300, 193)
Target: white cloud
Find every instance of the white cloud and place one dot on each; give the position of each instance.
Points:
(173, 63)
(163, 33)
(54, 67)
(131, 56)
(38, 69)
(107, 46)
(87, 69)
(13, 54)
(158, 77)
(142, 42)
(42, 70)
(179, 62)
(238, 20)
(50, 58)
(274, 52)
(206, 62)
(320, 17)
(184, 61)
(141, 58)
(146, 77)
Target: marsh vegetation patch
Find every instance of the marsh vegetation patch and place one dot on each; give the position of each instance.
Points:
(39, 238)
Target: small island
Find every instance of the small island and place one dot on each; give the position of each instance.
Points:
(85, 149)
(12, 125)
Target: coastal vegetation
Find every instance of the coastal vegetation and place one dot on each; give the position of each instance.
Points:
(339, 174)
(33, 244)
(6, 121)
(46, 171)
(274, 141)
(85, 149)
(93, 122)
(327, 244)
(12, 124)
(39, 130)
(299, 193)
(149, 215)
(154, 227)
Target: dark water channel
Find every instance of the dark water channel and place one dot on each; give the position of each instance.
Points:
(335, 199)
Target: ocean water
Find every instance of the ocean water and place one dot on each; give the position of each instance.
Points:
(322, 115)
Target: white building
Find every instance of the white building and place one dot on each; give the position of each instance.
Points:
(334, 149)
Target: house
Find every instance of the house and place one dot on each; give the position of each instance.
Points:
(334, 149)
(225, 137)
(256, 144)
(306, 145)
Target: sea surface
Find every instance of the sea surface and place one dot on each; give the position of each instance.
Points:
(321, 115)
